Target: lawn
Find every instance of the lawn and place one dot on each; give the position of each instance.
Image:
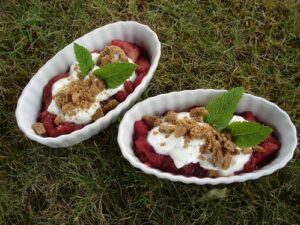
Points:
(205, 44)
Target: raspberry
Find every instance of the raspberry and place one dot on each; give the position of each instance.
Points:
(249, 116)
(141, 128)
(138, 80)
(272, 140)
(48, 120)
(146, 152)
(131, 50)
(143, 65)
(121, 96)
(251, 164)
(66, 128)
(128, 86)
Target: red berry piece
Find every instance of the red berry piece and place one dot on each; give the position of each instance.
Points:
(270, 151)
(272, 140)
(250, 165)
(249, 116)
(187, 170)
(138, 80)
(131, 50)
(121, 96)
(168, 165)
(66, 128)
(143, 65)
(141, 128)
(128, 86)
(48, 120)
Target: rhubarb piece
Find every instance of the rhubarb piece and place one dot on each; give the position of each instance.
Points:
(249, 116)
(138, 80)
(141, 128)
(66, 128)
(143, 65)
(128, 86)
(121, 96)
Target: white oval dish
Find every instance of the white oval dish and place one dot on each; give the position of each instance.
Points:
(29, 103)
(266, 111)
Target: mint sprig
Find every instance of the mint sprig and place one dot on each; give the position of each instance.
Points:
(248, 134)
(221, 109)
(115, 74)
(84, 59)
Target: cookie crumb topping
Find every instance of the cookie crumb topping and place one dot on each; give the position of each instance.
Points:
(58, 120)
(111, 104)
(111, 54)
(79, 94)
(152, 121)
(39, 128)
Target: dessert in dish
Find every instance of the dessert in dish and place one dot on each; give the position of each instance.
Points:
(210, 141)
(95, 84)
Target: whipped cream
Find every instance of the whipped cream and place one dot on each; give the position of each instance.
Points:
(83, 116)
(173, 146)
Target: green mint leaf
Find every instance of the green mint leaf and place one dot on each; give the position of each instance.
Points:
(115, 74)
(221, 109)
(84, 59)
(248, 134)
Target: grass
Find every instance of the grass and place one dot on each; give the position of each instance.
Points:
(205, 44)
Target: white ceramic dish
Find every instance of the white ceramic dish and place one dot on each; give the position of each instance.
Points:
(266, 111)
(29, 103)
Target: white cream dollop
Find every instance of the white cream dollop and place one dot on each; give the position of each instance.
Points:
(83, 116)
(172, 146)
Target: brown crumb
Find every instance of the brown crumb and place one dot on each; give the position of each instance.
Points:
(202, 157)
(155, 132)
(180, 131)
(167, 129)
(247, 150)
(212, 173)
(199, 119)
(171, 117)
(99, 113)
(79, 94)
(198, 111)
(227, 161)
(152, 121)
(198, 132)
(216, 157)
(187, 140)
(162, 143)
(229, 145)
(111, 54)
(39, 128)
(258, 148)
(58, 120)
(111, 104)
